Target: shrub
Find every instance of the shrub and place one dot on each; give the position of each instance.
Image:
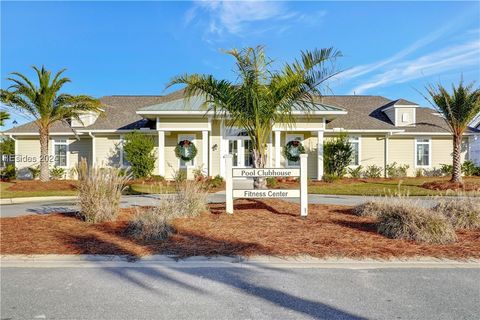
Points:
(355, 172)
(7, 148)
(99, 190)
(338, 154)
(271, 182)
(138, 150)
(463, 212)
(152, 223)
(419, 173)
(470, 169)
(434, 172)
(446, 169)
(57, 173)
(373, 171)
(180, 176)
(369, 208)
(9, 172)
(215, 182)
(34, 171)
(191, 198)
(403, 218)
(329, 178)
(397, 171)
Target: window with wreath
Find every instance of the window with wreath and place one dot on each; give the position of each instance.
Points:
(293, 149)
(191, 139)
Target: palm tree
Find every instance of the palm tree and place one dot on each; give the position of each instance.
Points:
(46, 105)
(262, 96)
(458, 109)
(4, 116)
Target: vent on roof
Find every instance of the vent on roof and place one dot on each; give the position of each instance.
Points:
(401, 112)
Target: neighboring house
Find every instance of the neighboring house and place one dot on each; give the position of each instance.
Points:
(382, 132)
(474, 142)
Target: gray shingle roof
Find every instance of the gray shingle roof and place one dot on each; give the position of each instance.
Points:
(364, 113)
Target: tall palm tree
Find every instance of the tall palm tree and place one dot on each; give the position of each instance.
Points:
(262, 96)
(4, 116)
(458, 109)
(46, 105)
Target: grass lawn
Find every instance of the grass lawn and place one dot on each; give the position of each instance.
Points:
(36, 189)
(268, 227)
(141, 188)
(370, 187)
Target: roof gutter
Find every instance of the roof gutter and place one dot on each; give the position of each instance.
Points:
(195, 112)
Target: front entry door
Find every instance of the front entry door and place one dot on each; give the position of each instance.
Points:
(241, 150)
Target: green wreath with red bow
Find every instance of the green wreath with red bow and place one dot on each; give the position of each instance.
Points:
(186, 150)
(292, 150)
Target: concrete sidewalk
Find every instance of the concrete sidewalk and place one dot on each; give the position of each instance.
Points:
(88, 261)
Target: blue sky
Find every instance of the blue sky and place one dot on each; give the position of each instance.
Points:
(390, 48)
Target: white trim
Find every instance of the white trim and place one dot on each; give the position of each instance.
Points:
(222, 148)
(67, 151)
(320, 143)
(187, 136)
(278, 141)
(205, 152)
(429, 152)
(288, 138)
(337, 130)
(161, 153)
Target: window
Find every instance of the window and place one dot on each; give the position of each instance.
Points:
(405, 117)
(60, 150)
(422, 152)
(355, 142)
(191, 137)
(293, 137)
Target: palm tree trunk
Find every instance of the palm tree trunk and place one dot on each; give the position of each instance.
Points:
(44, 158)
(259, 161)
(457, 165)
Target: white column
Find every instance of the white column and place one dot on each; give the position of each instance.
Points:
(303, 185)
(161, 153)
(270, 151)
(386, 156)
(205, 152)
(278, 147)
(320, 155)
(228, 183)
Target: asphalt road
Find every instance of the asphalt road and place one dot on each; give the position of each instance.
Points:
(155, 292)
(47, 206)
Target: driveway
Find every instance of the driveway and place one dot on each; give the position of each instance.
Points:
(47, 206)
(261, 292)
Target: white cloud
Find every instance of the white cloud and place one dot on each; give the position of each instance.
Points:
(238, 17)
(447, 59)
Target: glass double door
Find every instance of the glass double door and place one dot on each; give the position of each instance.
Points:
(241, 149)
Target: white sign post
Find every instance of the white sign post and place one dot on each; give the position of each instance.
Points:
(301, 193)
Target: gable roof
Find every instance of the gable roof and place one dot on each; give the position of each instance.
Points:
(363, 113)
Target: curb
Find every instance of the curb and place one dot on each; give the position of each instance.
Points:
(110, 261)
(20, 200)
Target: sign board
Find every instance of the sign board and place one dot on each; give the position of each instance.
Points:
(266, 172)
(266, 193)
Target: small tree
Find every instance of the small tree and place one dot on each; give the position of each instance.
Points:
(458, 108)
(7, 148)
(338, 154)
(138, 150)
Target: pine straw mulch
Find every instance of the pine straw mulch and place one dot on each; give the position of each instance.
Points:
(454, 186)
(37, 185)
(267, 227)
